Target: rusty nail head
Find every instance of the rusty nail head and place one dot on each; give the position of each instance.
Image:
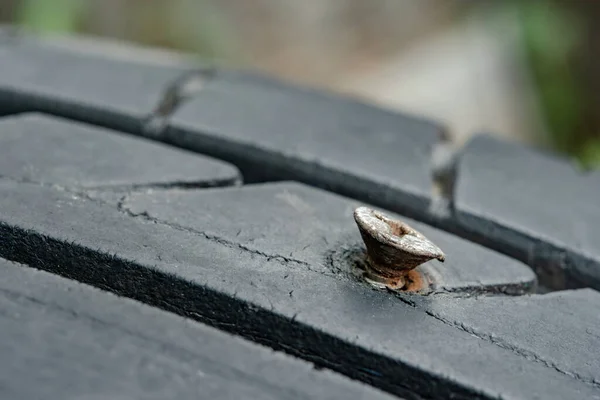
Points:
(393, 248)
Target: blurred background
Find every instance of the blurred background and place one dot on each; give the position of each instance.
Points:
(524, 70)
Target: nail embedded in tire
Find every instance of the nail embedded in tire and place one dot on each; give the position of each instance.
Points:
(393, 248)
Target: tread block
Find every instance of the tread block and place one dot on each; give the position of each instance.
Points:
(75, 341)
(341, 324)
(536, 207)
(316, 228)
(560, 329)
(54, 151)
(94, 89)
(285, 132)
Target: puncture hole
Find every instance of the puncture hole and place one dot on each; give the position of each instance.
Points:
(353, 262)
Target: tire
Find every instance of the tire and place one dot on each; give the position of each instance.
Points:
(178, 231)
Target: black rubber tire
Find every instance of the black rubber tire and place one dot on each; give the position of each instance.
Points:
(175, 231)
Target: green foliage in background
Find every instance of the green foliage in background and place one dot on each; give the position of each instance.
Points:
(552, 36)
(54, 16)
(193, 26)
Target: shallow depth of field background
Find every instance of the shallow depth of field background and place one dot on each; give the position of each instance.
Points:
(524, 70)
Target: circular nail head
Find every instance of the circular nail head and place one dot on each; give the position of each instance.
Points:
(393, 247)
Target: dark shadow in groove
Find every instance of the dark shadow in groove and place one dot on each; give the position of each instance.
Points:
(179, 185)
(9, 104)
(128, 279)
(552, 266)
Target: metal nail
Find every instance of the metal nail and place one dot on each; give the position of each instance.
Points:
(393, 248)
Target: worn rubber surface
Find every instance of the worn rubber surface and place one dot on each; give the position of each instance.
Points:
(217, 257)
(75, 341)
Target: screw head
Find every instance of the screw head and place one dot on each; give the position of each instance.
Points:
(393, 247)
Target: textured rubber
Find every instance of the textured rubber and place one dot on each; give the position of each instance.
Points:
(224, 228)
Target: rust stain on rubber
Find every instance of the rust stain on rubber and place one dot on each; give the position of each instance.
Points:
(415, 282)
